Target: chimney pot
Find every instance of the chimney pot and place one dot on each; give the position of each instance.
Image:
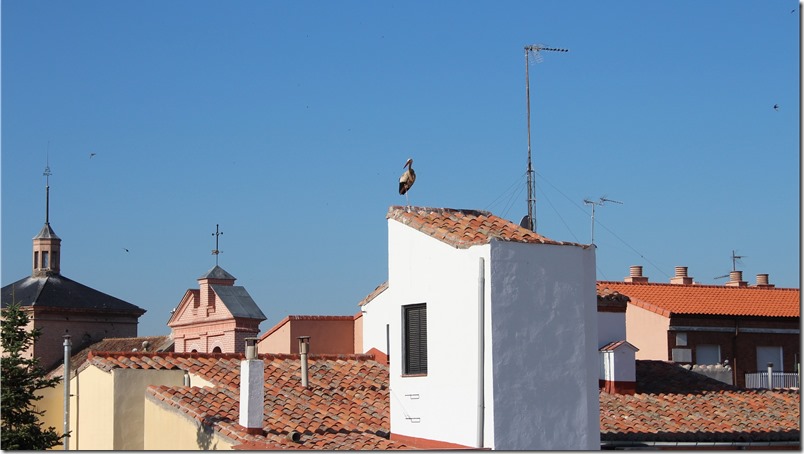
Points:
(736, 279)
(762, 281)
(251, 348)
(681, 276)
(636, 275)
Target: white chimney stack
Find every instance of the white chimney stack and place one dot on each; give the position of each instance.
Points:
(252, 390)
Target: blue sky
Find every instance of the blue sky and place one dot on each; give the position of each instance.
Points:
(288, 123)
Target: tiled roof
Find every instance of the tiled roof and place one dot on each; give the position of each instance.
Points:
(238, 301)
(466, 228)
(611, 346)
(117, 344)
(711, 416)
(673, 404)
(667, 299)
(374, 293)
(60, 292)
(346, 405)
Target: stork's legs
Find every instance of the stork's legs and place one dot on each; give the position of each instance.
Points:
(407, 207)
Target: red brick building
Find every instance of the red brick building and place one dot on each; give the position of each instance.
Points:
(217, 317)
(687, 323)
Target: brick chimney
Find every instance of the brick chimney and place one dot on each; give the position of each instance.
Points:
(736, 279)
(762, 281)
(681, 276)
(636, 275)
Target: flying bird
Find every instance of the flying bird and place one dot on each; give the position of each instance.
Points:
(92, 155)
(776, 107)
(407, 179)
(125, 249)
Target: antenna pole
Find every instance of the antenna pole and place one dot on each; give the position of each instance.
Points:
(600, 202)
(535, 48)
(531, 200)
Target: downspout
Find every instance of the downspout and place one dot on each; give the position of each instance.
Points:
(481, 296)
(67, 348)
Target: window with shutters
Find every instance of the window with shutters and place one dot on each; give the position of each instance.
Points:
(415, 341)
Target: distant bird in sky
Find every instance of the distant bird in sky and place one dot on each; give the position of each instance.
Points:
(91, 155)
(407, 179)
(125, 249)
(776, 107)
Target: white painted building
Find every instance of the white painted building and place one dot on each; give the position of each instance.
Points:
(530, 382)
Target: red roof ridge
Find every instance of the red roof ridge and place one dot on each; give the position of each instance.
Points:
(464, 228)
(698, 285)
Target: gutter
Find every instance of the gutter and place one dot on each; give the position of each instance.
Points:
(698, 444)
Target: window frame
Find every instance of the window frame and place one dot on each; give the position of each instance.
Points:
(414, 337)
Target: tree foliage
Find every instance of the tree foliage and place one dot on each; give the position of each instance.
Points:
(21, 378)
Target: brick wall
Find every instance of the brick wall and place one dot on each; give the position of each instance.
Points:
(736, 346)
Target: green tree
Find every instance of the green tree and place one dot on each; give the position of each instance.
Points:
(21, 378)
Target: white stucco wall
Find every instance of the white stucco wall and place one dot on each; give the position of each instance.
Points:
(544, 324)
(610, 327)
(541, 342)
(442, 405)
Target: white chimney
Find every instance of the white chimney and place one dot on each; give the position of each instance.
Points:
(681, 276)
(304, 348)
(252, 390)
(636, 275)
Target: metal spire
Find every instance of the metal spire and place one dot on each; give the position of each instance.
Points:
(47, 174)
(216, 251)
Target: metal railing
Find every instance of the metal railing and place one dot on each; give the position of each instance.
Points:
(759, 380)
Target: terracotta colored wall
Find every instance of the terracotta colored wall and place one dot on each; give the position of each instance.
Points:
(328, 335)
(645, 331)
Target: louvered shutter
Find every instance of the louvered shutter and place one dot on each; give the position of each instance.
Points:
(416, 339)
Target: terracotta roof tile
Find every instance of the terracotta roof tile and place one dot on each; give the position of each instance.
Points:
(346, 405)
(466, 228)
(710, 416)
(667, 299)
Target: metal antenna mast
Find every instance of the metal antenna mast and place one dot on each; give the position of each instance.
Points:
(734, 259)
(530, 222)
(599, 202)
(216, 251)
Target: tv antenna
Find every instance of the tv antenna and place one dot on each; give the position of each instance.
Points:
(594, 203)
(216, 251)
(735, 259)
(529, 222)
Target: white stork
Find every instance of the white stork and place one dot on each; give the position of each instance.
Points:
(407, 179)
